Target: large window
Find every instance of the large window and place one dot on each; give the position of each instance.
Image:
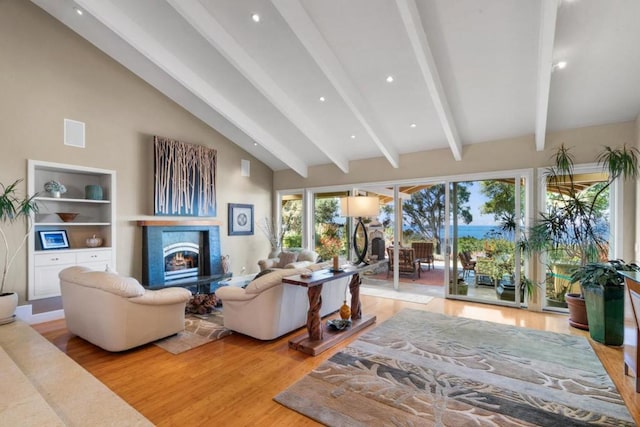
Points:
(467, 231)
(570, 248)
(331, 231)
(291, 216)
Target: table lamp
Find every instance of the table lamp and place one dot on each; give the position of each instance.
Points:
(359, 207)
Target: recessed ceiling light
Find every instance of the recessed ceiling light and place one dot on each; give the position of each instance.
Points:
(255, 144)
(353, 137)
(560, 65)
(412, 125)
(389, 79)
(78, 11)
(255, 17)
(322, 99)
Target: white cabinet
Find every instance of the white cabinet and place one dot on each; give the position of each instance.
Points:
(94, 217)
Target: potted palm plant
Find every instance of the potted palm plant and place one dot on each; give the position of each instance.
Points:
(13, 208)
(603, 290)
(574, 225)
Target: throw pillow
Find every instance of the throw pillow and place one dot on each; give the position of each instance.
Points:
(287, 258)
(307, 255)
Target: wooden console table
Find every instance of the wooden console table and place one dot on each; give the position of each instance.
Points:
(318, 338)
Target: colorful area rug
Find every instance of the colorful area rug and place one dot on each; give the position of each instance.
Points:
(422, 368)
(198, 330)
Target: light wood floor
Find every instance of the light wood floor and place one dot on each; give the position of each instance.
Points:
(232, 381)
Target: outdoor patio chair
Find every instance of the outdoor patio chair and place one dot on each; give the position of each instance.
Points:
(407, 261)
(424, 253)
(467, 266)
(467, 257)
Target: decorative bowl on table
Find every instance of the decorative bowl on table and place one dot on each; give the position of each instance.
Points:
(339, 324)
(67, 216)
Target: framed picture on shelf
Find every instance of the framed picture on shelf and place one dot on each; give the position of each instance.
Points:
(240, 220)
(53, 239)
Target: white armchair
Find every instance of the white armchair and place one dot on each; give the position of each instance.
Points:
(115, 312)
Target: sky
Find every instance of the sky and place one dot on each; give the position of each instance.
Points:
(476, 200)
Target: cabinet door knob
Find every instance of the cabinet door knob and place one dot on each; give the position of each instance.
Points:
(55, 259)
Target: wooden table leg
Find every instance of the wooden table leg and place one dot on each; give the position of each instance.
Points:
(354, 288)
(317, 339)
(314, 324)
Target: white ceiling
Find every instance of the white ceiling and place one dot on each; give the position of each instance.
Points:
(465, 71)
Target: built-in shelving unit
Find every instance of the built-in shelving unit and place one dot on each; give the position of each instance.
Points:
(95, 217)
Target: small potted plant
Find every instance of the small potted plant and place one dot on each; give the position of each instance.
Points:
(603, 291)
(12, 209)
(55, 188)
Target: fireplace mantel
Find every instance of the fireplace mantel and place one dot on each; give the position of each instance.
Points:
(177, 223)
(154, 240)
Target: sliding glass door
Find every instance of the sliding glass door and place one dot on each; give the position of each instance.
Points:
(486, 220)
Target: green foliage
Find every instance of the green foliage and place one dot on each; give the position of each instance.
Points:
(409, 235)
(13, 208)
(292, 240)
(554, 294)
(424, 211)
(326, 210)
(600, 274)
(329, 234)
(574, 223)
(501, 197)
(292, 223)
(292, 216)
(528, 284)
(620, 162)
(469, 244)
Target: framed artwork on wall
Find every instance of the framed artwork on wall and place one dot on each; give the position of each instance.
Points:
(240, 220)
(53, 239)
(184, 178)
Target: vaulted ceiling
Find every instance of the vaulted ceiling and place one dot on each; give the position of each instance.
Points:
(298, 83)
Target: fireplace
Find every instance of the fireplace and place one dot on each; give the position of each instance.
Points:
(377, 248)
(180, 253)
(375, 232)
(181, 260)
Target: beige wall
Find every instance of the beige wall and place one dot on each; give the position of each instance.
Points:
(516, 153)
(48, 73)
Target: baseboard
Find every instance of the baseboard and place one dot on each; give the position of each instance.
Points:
(25, 313)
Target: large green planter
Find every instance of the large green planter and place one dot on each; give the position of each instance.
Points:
(605, 310)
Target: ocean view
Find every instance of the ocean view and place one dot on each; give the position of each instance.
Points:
(477, 231)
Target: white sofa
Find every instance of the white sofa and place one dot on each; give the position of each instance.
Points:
(289, 259)
(115, 312)
(268, 308)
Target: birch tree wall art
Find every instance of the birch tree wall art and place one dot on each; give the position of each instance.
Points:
(184, 178)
